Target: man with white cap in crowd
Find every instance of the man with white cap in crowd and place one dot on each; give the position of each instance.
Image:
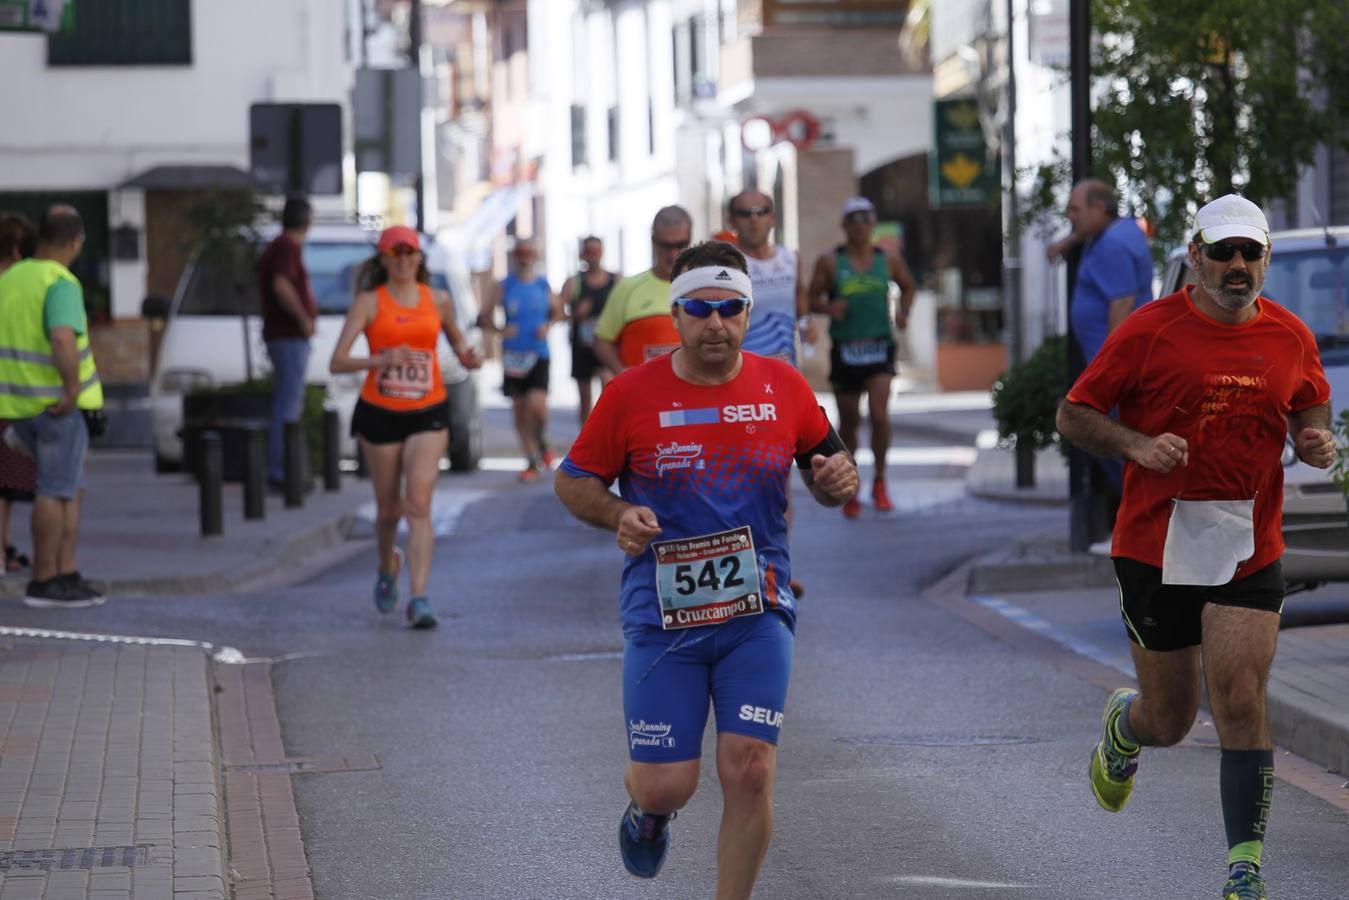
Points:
(1209, 381)
(852, 286)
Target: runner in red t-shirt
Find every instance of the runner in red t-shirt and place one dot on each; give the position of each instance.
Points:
(1208, 382)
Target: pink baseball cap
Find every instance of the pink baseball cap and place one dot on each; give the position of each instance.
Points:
(398, 236)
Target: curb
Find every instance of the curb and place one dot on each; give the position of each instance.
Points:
(289, 555)
(1309, 733)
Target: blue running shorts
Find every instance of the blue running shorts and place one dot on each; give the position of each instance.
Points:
(742, 666)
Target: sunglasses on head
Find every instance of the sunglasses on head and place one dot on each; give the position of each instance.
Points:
(701, 309)
(744, 212)
(402, 250)
(1221, 252)
(858, 217)
(670, 245)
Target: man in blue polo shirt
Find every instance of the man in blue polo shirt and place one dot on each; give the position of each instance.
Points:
(1114, 276)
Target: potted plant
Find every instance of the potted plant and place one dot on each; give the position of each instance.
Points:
(1339, 470)
(1026, 401)
(223, 231)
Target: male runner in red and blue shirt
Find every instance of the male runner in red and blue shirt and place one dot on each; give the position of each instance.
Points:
(702, 442)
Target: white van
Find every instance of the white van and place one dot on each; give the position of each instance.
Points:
(209, 341)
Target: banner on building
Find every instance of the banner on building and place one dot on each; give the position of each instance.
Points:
(50, 16)
(962, 172)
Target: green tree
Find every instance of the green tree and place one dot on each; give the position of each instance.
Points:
(1192, 100)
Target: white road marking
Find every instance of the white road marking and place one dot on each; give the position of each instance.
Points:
(1029, 620)
(920, 456)
(955, 883)
(446, 507)
(222, 655)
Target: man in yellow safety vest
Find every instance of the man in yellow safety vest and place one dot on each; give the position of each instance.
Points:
(47, 378)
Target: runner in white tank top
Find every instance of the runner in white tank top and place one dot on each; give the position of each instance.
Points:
(775, 272)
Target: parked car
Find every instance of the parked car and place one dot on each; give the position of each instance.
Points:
(203, 340)
(1309, 275)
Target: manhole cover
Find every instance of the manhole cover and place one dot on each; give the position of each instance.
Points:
(936, 740)
(78, 858)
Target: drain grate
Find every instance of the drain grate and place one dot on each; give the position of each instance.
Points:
(80, 858)
(936, 740)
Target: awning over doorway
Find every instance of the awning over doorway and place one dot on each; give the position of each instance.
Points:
(482, 226)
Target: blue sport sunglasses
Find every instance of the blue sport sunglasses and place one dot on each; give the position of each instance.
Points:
(701, 309)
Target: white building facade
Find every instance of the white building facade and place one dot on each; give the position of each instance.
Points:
(175, 97)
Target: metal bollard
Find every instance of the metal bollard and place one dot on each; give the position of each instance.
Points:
(212, 474)
(295, 465)
(255, 472)
(332, 474)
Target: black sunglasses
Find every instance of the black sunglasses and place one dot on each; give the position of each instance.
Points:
(670, 245)
(701, 309)
(745, 212)
(858, 217)
(1220, 252)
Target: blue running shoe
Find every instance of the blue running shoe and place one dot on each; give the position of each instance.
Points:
(643, 840)
(420, 615)
(386, 585)
(1244, 882)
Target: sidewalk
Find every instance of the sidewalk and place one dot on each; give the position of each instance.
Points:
(1072, 598)
(110, 763)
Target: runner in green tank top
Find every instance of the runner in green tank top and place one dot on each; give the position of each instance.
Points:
(852, 286)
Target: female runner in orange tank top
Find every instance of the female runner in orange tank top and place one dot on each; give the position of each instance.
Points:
(401, 421)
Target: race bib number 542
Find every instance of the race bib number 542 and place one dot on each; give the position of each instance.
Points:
(706, 580)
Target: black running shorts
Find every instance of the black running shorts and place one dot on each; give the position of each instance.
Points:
(536, 379)
(383, 426)
(846, 379)
(1168, 616)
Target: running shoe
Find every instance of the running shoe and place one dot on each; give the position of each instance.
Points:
(1244, 882)
(420, 615)
(1112, 772)
(853, 508)
(82, 587)
(548, 458)
(386, 585)
(880, 498)
(55, 593)
(643, 841)
(529, 474)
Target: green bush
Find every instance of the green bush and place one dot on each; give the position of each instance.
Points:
(1339, 470)
(1026, 398)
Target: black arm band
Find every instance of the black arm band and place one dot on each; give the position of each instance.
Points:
(831, 444)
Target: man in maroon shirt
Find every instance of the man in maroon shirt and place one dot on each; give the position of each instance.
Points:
(289, 313)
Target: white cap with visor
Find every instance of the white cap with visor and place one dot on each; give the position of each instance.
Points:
(1231, 216)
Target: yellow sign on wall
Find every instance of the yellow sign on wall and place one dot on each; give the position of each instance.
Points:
(960, 169)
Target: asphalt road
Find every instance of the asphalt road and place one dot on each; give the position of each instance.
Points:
(920, 758)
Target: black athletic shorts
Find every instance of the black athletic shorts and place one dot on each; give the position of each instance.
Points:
(849, 379)
(535, 380)
(1167, 616)
(384, 426)
(585, 365)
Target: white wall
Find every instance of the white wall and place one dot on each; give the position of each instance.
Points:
(622, 56)
(94, 127)
(882, 119)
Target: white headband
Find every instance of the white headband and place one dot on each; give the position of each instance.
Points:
(723, 277)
